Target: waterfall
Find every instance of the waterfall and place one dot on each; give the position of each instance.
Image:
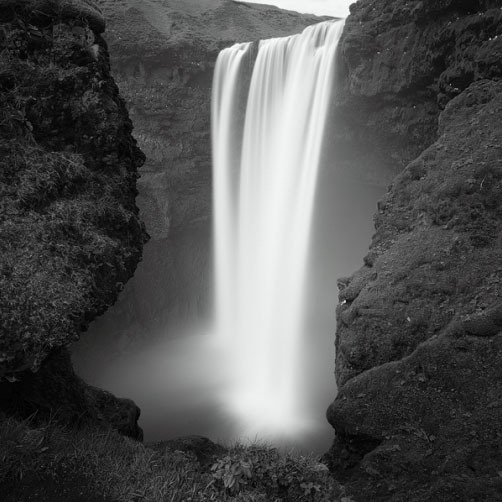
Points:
(265, 173)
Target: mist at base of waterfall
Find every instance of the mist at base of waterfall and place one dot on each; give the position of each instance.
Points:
(286, 227)
(182, 388)
(179, 379)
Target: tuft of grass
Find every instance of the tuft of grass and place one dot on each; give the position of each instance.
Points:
(128, 471)
(113, 465)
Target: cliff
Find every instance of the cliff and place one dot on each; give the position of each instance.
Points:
(163, 56)
(70, 235)
(419, 332)
(403, 61)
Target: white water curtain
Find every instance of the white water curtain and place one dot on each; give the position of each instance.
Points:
(263, 204)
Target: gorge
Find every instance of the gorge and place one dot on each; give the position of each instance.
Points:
(205, 382)
(182, 362)
(416, 103)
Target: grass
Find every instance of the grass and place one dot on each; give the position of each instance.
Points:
(128, 471)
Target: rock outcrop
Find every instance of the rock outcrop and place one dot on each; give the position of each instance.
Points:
(404, 61)
(419, 337)
(70, 234)
(163, 57)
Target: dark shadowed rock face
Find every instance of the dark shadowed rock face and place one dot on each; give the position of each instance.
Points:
(419, 337)
(70, 235)
(55, 392)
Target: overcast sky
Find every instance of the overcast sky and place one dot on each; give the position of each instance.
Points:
(337, 8)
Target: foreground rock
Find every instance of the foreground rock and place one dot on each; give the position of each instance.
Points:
(56, 393)
(70, 235)
(419, 339)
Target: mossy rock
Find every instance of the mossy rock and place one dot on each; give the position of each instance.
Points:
(70, 233)
(87, 10)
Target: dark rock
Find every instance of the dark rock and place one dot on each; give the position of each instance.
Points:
(202, 448)
(419, 327)
(56, 393)
(120, 414)
(70, 234)
(430, 268)
(423, 424)
(403, 62)
(40, 11)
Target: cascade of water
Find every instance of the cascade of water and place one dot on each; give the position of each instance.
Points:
(223, 121)
(263, 207)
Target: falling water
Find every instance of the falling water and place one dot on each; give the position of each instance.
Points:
(264, 186)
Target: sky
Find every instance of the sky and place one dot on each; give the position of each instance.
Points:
(336, 8)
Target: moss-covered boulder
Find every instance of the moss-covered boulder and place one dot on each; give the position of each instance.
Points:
(70, 236)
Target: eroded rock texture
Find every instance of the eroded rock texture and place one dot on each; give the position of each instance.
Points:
(70, 235)
(419, 338)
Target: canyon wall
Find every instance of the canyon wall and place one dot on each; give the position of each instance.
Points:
(70, 234)
(419, 329)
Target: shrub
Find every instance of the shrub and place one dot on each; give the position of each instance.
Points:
(277, 476)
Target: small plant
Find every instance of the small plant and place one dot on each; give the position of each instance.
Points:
(263, 470)
(232, 472)
(310, 488)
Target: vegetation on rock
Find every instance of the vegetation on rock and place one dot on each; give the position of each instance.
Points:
(101, 466)
(404, 60)
(70, 236)
(419, 332)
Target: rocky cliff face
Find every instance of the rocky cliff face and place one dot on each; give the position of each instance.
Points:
(163, 56)
(419, 334)
(403, 62)
(70, 235)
